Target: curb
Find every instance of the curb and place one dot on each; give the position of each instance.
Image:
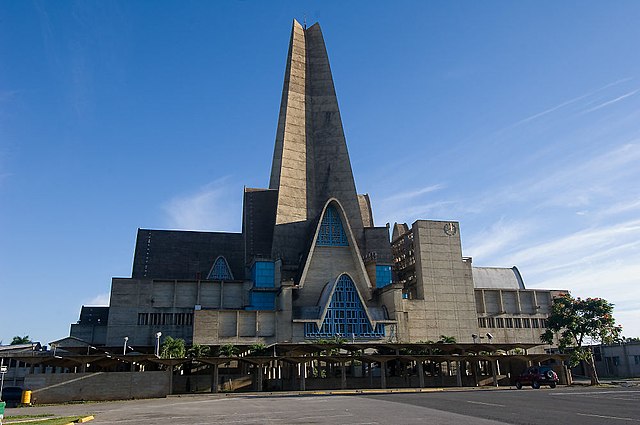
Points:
(366, 391)
(81, 420)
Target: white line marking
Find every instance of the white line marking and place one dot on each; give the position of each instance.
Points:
(609, 417)
(320, 417)
(486, 404)
(595, 392)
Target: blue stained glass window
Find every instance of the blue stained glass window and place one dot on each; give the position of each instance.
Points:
(263, 274)
(383, 276)
(345, 316)
(331, 229)
(262, 301)
(220, 270)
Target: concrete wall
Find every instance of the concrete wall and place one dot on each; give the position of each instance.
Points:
(511, 315)
(130, 297)
(234, 327)
(445, 303)
(327, 263)
(619, 360)
(64, 387)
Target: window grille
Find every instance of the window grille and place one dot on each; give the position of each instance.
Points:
(220, 270)
(346, 316)
(331, 229)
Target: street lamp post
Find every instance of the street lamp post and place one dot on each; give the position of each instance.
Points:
(158, 335)
(124, 349)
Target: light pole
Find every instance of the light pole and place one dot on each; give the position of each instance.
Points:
(3, 370)
(124, 349)
(158, 335)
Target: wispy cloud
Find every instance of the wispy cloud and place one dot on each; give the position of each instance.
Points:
(407, 195)
(98, 300)
(499, 236)
(610, 102)
(584, 245)
(563, 104)
(213, 207)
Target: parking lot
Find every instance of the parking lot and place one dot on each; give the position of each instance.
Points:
(471, 406)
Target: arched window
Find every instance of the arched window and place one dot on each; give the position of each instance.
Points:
(345, 316)
(220, 270)
(331, 229)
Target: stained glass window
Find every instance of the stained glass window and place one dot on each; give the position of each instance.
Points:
(331, 229)
(383, 276)
(345, 316)
(220, 270)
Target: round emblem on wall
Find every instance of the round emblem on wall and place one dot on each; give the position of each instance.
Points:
(450, 229)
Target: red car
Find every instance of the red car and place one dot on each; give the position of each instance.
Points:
(537, 376)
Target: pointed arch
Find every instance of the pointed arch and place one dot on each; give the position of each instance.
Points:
(331, 232)
(344, 315)
(220, 270)
(363, 282)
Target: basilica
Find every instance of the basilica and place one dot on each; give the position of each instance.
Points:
(310, 263)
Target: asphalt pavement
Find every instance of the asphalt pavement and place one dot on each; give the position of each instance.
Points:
(563, 405)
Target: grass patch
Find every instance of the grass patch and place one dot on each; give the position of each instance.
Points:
(44, 415)
(51, 421)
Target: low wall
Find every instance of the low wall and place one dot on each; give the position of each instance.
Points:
(63, 387)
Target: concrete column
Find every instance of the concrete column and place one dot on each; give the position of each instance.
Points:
(421, 373)
(343, 376)
(214, 378)
(459, 373)
(383, 375)
(370, 375)
(474, 369)
(170, 369)
(259, 378)
(494, 372)
(303, 376)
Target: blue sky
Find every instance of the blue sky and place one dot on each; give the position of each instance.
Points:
(520, 119)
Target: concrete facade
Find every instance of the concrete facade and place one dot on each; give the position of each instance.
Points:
(57, 388)
(310, 263)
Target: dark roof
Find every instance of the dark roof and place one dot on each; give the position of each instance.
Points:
(178, 254)
(377, 242)
(259, 217)
(94, 315)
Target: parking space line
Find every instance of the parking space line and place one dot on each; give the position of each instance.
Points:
(592, 392)
(608, 417)
(486, 404)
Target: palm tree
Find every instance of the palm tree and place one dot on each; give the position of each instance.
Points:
(172, 348)
(229, 350)
(17, 340)
(198, 350)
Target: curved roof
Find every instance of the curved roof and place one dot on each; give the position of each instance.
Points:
(497, 278)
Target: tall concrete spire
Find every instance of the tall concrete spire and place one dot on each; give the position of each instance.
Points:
(310, 161)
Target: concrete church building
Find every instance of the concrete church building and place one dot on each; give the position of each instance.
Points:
(310, 263)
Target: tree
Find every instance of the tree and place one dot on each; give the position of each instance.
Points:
(258, 349)
(229, 350)
(17, 340)
(198, 350)
(172, 348)
(576, 322)
(447, 339)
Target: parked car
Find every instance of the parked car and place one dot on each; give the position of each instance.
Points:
(537, 376)
(12, 395)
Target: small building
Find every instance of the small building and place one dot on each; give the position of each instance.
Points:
(617, 360)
